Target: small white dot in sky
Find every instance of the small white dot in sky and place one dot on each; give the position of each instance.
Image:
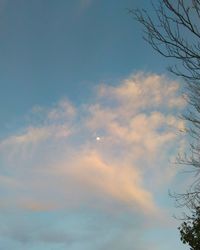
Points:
(98, 138)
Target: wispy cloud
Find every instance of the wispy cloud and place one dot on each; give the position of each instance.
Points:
(58, 162)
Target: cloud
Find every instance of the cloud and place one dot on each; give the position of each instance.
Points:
(57, 163)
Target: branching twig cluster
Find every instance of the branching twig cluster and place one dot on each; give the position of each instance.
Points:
(175, 34)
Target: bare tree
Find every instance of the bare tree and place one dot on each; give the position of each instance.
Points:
(174, 32)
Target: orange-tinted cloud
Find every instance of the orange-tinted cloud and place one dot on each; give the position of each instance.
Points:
(59, 163)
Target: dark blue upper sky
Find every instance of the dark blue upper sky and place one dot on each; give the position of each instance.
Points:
(50, 49)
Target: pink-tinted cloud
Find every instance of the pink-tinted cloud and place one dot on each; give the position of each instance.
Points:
(58, 163)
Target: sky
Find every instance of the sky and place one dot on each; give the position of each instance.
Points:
(89, 129)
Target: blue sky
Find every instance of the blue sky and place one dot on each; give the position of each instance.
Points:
(50, 49)
(88, 129)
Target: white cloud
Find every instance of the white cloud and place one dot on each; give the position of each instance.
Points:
(58, 163)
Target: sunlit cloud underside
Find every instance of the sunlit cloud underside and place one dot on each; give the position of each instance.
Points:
(110, 153)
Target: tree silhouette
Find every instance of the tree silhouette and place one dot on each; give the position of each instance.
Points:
(174, 32)
(190, 230)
